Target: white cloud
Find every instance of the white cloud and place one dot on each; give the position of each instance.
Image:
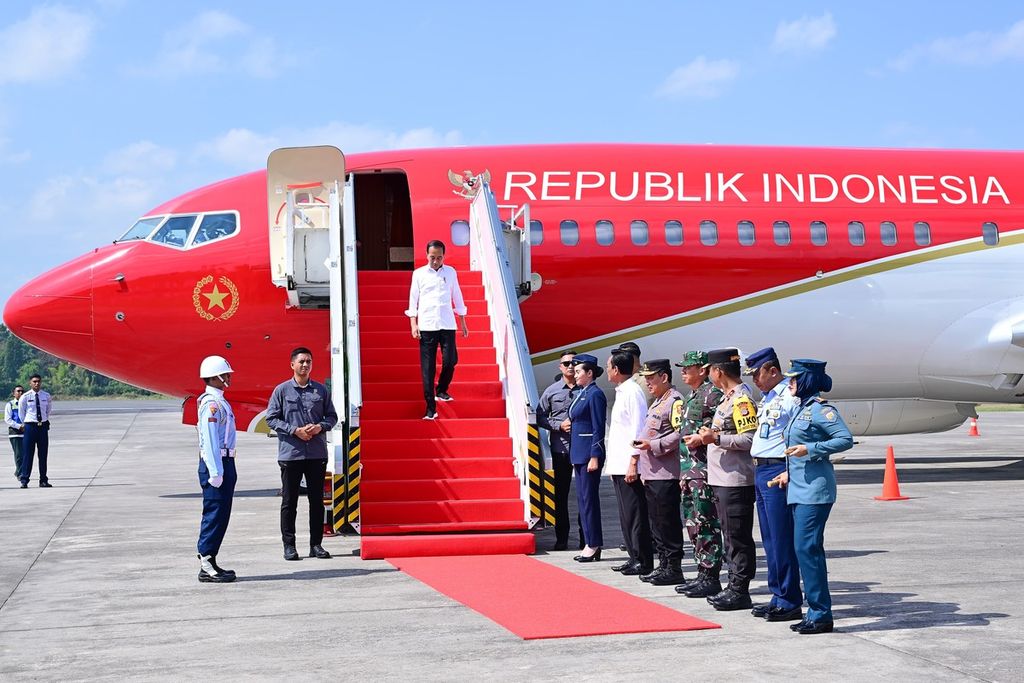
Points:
(806, 34)
(140, 158)
(978, 48)
(244, 150)
(216, 42)
(47, 45)
(699, 79)
(10, 158)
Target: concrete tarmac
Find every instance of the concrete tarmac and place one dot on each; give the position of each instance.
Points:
(98, 577)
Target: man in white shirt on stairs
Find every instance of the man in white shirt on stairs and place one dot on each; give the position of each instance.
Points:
(434, 301)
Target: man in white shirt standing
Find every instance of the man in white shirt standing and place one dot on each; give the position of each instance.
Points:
(34, 408)
(434, 301)
(629, 412)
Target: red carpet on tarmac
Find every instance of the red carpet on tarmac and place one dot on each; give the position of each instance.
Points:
(533, 599)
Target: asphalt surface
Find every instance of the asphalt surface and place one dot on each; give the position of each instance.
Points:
(98, 577)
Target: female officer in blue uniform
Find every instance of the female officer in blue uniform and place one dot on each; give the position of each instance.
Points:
(587, 414)
(814, 433)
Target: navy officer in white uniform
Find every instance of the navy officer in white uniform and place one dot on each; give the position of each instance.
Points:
(217, 475)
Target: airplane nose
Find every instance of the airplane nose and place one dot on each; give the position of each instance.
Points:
(54, 312)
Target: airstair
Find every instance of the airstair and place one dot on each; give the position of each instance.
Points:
(470, 482)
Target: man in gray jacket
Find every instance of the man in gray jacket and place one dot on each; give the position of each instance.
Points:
(301, 412)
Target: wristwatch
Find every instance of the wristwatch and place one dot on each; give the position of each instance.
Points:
(718, 438)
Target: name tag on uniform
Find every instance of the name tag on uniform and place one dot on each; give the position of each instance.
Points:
(765, 428)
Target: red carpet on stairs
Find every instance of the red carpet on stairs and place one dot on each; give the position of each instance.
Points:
(533, 599)
(433, 487)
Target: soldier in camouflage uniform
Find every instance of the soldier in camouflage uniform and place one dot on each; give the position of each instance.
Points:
(698, 498)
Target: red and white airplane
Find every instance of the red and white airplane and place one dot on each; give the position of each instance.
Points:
(901, 268)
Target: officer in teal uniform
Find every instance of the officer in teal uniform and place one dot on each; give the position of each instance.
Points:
(815, 432)
(217, 475)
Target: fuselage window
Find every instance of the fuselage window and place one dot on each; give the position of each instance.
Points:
(745, 233)
(460, 233)
(990, 233)
(888, 233)
(673, 233)
(570, 231)
(175, 231)
(604, 232)
(708, 233)
(536, 233)
(782, 234)
(857, 234)
(819, 233)
(922, 234)
(639, 233)
(214, 226)
(142, 229)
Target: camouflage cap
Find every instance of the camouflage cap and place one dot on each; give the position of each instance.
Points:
(693, 358)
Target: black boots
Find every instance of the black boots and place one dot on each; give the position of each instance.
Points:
(671, 575)
(209, 572)
(705, 586)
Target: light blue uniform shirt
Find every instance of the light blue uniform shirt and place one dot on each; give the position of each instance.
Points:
(777, 409)
(812, 480)
(216, 427)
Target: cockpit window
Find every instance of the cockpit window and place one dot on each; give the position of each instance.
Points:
(175, 231)
(142, 229)
(214, 226)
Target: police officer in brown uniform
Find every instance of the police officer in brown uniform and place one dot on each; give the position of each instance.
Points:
(731, 475)
(659, 471)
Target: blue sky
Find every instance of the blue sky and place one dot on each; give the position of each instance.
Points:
(109, 107)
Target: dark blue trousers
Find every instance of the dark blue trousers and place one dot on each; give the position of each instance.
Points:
(35, 436)
(809, 537)
(589, 501)
(776, 522)
(216, 507)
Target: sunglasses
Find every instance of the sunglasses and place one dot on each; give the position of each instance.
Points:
(565, 364)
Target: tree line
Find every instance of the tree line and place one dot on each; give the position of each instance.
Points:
(19, 361)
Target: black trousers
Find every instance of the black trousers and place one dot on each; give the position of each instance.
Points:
(736, 514)
(563, 479)
(429, 341)
(663, 497)
(634, 519)
(292, 472)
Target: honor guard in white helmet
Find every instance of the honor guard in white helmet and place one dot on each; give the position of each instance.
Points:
(217, 475)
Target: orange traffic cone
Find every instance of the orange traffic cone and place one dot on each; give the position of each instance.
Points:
(974, 427)
(890, 485)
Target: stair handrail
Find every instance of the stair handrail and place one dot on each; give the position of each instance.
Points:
(489, 255)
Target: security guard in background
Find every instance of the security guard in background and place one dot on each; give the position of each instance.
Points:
(699, 510)
(217, 473)
(658, 467)
(15, 428)
(731, 475)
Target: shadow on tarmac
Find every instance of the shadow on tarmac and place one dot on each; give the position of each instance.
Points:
(252, 493)
(1013, 471)
(317, 574)
(894, 611)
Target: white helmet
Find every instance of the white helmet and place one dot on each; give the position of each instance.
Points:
(213, 366)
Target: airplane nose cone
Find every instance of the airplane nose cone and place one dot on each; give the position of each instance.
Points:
(54, 312)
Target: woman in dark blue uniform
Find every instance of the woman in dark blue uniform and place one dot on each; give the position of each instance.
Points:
(816, 432)
(587, 414)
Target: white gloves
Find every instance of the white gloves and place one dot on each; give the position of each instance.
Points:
(215, 482)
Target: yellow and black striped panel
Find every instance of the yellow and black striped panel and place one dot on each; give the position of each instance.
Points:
(549, 496)
(535, 472)
(352, 478)
(338, 504)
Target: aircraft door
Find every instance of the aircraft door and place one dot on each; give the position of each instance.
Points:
(383, 213)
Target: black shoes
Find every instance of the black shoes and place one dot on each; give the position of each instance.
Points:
(761, 611)
(319, 552)
(623, 548)
(730, 600)
(779, 614)
(625, 565)
(45, 485)
(636, 569)
(430, 414)
(24, 485)
(596, 557)
(290, 553)
(647, 577)
(703, 587)
(810, 628)
(209, 572)
(671, 575)
(443, 396)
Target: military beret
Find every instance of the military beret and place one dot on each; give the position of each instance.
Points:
(799, 366)
(723, 356)
(759, 358)
(653, 367)
(693, 358)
